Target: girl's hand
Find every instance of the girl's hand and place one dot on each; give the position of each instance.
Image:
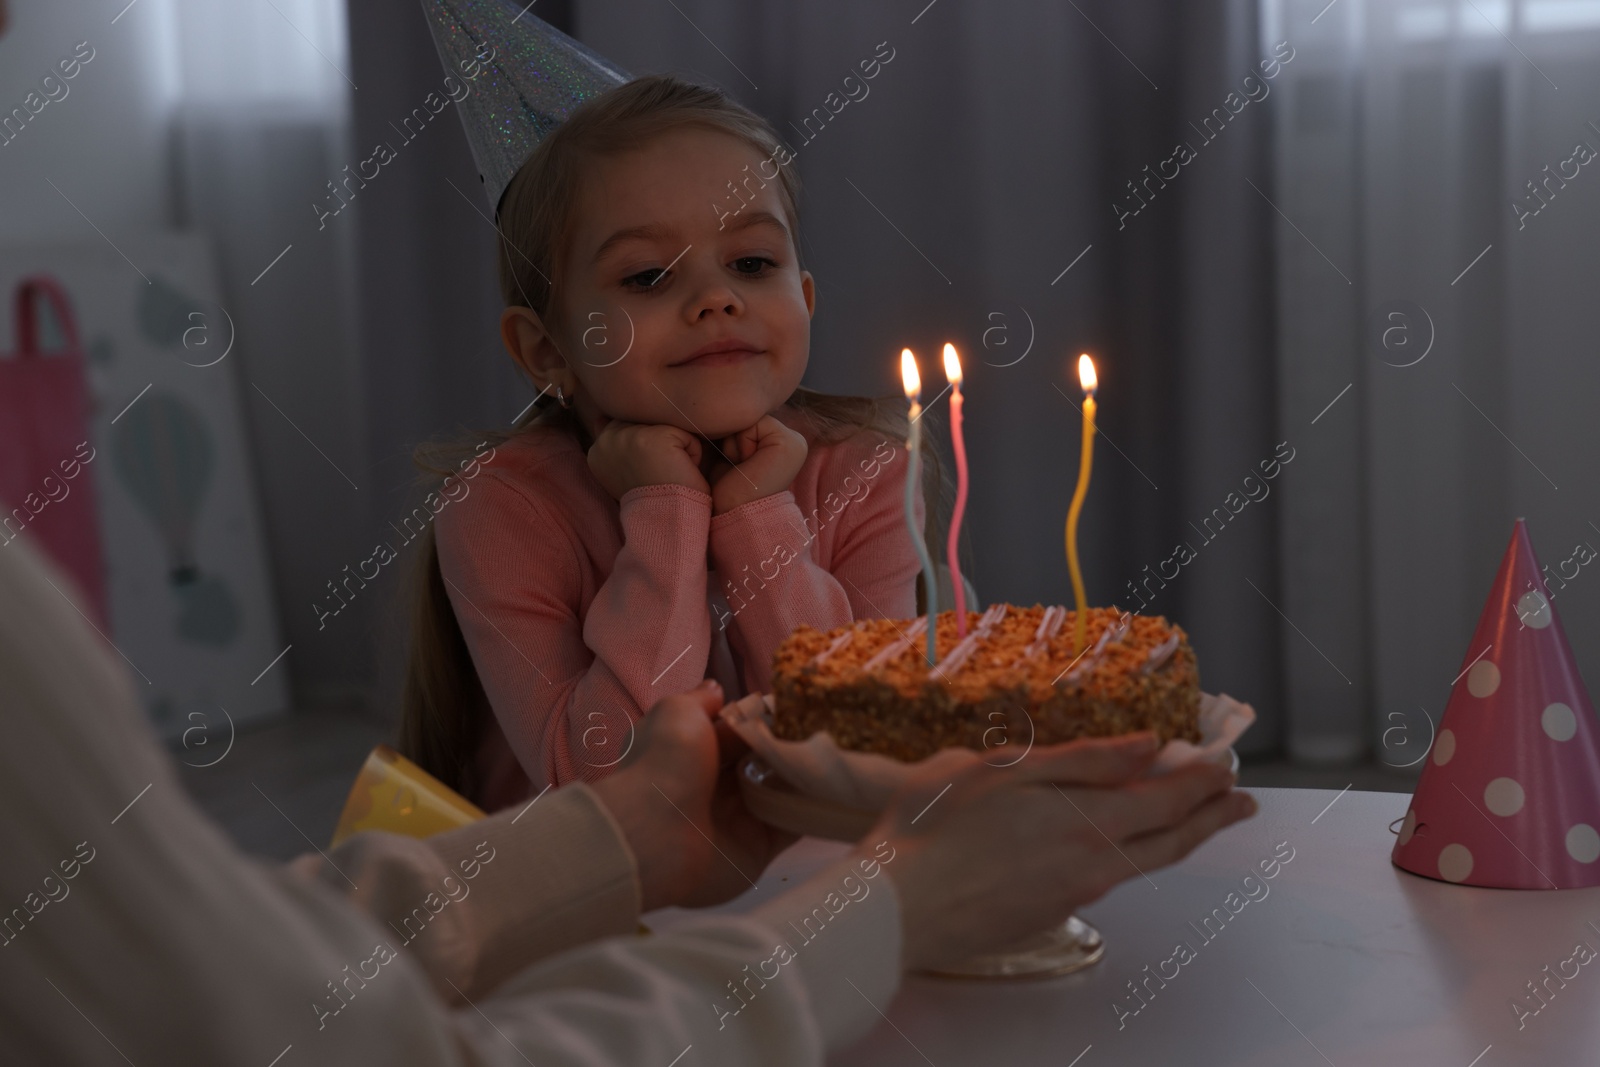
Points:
(677, 800)
(761, 460)
(626, 455)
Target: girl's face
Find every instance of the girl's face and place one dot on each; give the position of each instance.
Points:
(682, 306)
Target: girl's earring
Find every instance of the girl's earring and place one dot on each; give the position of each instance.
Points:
(561, 398)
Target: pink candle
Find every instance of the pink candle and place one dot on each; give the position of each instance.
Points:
(952, 371)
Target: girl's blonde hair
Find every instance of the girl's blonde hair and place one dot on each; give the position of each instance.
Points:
(444, 707)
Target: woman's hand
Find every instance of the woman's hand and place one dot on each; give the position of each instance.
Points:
(755, 462)
(626, 455)
(677, 800)
(1008, 852)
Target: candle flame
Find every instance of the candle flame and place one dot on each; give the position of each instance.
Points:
(1086, 375)
(952, 364)
(908, 374)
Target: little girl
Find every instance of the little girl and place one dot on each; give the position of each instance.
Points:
(677, 504)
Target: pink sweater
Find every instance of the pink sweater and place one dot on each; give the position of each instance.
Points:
(581, 611)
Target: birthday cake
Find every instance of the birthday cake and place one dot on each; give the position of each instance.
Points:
(1015, 679)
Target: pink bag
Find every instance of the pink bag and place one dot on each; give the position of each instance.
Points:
(44, 444)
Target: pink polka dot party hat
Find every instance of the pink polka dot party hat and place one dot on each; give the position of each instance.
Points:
(1510, 791)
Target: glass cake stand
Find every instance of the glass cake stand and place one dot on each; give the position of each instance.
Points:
(1071, 946)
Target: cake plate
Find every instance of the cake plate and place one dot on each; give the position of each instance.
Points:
(1069, 946)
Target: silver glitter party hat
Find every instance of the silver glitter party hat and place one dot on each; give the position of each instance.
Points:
(524, 77)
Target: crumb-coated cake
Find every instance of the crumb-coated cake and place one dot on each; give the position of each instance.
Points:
(1015, 679)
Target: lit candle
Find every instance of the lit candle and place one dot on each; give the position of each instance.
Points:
(930, 580)
(952, 371)
(1086, 377)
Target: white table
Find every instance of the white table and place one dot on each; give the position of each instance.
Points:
(1346, 960)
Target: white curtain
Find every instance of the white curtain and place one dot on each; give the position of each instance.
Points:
(244, 54)
(259, 102)
(1450, 327)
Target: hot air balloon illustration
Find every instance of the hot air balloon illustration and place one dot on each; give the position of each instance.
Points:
(165, 312)
(163, 454)
(169, 317)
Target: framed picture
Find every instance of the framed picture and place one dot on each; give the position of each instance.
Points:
(135, 357)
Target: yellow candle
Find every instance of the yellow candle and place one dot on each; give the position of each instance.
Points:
(1086, 377)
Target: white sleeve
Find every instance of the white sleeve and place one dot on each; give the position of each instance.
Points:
(724, 985)
(476, 904)
(132, 930)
